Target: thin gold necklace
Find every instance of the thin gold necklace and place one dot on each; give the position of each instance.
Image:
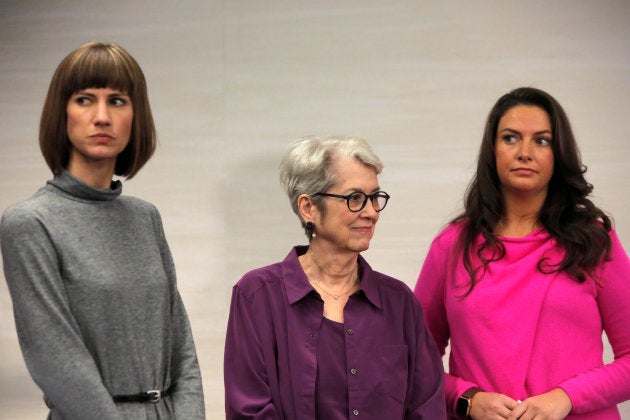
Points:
(332, 295)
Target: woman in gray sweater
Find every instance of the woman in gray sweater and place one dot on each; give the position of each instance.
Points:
(101, 325)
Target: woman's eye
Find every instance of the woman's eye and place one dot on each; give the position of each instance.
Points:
(356, 198)
(508, 138)
(117, 101)
(82, 100)
(544, 141)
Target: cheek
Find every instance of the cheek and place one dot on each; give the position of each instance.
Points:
(500, 160)
(73, 124)
(548, 161)
(125, 125)
(502, 165)
(551, 167)
(128, 121)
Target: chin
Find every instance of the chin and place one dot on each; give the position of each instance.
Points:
(360, 247)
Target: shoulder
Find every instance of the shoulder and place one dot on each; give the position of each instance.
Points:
(447, 238)
(256, 280)
(391, 287)
(138, 204)
(389, 282)
(617, 253)
(384, 283)
(451, 232)
(612, 233)
(142, 211)
(22, 214)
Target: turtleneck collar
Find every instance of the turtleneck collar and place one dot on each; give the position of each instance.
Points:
(78, 189)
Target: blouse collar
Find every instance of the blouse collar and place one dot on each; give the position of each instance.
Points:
(298, 286)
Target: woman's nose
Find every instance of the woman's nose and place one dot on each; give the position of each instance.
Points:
(524, 153)
(369, 208)
(102, 116)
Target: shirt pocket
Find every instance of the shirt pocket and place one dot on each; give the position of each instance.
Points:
(393, 368)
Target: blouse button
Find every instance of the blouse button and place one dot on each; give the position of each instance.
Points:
(353, 371)
(350, 331)
(355, 412)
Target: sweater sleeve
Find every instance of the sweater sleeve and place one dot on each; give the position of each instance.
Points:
(49, 336)
(248, 392)
(609, 384)
(187, 394)
(430, 291)
(427, 401)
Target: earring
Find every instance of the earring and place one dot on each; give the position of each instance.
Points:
(310, 229)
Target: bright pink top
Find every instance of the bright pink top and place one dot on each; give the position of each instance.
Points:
(522, 333)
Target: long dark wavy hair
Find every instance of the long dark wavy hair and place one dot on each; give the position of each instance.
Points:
(567, 214)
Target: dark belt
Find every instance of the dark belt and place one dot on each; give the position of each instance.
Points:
(153, 396)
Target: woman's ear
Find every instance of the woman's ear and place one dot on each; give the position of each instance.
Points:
(307, 208)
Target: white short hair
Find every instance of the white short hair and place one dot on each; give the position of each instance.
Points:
(306, 167)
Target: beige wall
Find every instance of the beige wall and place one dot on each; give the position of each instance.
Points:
(232, 81)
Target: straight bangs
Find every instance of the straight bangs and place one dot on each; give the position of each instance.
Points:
(99, 68)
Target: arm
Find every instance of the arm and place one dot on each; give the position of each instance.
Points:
(188, 401)
(51, 341)
(427, 400)
(247, 389)
(610, 384)
(187, 395)
(430, 290)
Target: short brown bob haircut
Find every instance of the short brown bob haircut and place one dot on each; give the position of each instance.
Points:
(97, 65)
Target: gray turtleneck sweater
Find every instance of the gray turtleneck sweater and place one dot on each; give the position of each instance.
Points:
(96, 304)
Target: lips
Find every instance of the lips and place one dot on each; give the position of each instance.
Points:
(101, 137)
(524, 171)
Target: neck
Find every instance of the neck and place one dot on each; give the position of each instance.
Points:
(331, 269)
(97, 176)
(517, 228)
(521, 214)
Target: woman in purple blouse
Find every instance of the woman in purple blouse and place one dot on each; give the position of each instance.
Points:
(320, 334)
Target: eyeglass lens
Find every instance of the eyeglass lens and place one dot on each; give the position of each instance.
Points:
(357, 201)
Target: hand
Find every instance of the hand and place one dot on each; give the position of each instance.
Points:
(552, 405)
(491, 406)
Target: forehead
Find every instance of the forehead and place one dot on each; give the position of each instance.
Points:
(353, 174)
(525, 116)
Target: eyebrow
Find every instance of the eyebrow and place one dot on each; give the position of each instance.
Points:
(511, 130)
(354, 189)
(86, 93)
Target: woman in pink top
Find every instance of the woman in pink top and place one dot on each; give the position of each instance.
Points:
(526, 279)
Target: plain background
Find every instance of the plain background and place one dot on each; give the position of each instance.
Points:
(231, 82)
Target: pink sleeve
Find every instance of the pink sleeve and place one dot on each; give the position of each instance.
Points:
(610, 384)
(430, 291)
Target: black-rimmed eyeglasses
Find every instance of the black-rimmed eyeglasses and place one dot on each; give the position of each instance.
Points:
(357, 200)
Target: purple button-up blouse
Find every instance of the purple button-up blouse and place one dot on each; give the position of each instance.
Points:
(394, 370)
